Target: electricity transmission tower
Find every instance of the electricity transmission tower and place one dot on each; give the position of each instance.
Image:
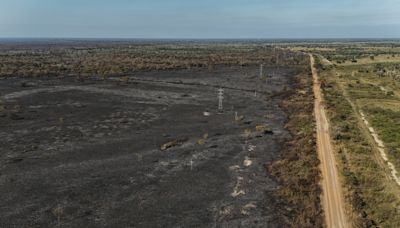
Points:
(220, 99)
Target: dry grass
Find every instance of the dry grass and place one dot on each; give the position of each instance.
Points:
(375, 60)
(298, 172)
(103, 61)
(370, 194)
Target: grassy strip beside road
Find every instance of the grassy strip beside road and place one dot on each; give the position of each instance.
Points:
(298, 173)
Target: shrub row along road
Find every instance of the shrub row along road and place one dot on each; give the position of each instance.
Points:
(332, 199)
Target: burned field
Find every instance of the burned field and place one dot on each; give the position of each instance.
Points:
(146, 150)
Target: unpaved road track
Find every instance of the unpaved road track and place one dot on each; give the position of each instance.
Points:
(331, 197)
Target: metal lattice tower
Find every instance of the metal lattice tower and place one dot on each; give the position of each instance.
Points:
(220, 99)
(276, 62)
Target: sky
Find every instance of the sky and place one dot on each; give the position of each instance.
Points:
(200, 18)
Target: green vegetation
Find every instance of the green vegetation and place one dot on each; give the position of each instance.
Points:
(371, 194)
(387, 123)
(351, 52)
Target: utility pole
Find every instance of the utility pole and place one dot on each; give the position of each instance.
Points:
(261, 70)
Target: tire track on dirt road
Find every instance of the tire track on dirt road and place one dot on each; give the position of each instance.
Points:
(332, 199)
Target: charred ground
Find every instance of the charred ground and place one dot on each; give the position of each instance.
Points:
(88, 150)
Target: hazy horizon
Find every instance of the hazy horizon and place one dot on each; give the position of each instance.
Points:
(175, 19)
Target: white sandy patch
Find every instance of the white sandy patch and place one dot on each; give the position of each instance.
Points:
(370, 128)
(251, 148)
(234, 167)
(394, 173)
(383, 154)
(236, 192)
(247, 162)
(246, 208)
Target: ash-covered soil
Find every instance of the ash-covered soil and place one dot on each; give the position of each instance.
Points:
(88, 154)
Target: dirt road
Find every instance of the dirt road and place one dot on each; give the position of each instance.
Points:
(331, 197)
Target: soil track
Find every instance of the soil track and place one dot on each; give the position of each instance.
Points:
(332, 197)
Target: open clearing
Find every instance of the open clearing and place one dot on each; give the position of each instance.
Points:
(88, 153)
